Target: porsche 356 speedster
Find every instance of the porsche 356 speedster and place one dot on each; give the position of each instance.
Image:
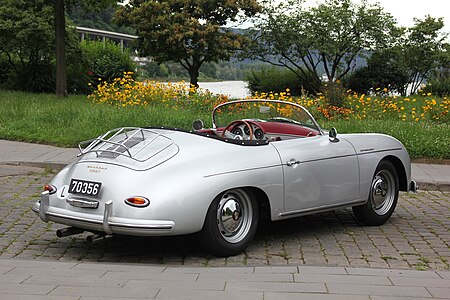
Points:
(260, 158)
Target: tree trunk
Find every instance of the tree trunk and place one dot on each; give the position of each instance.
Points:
(193, 74)
(60, 33)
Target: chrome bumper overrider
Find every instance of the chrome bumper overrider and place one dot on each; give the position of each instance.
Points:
(413, 187)
(106, 223)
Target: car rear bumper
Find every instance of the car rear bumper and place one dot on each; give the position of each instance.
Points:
(106, 223)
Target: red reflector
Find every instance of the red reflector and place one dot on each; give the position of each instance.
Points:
(50, 188)
(137, 201)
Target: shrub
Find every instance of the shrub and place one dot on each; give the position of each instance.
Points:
(334, 93)
(105, 61)
(384, 70)
(38, 77)
(278, 80)
(6, 73)
(32, 76)
(439, 84)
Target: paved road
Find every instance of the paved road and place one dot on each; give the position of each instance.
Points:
(325, 256)
(416, 237)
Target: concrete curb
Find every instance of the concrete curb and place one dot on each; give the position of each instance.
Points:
(42, 280)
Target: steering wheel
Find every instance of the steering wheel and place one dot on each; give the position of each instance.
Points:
(238, 122)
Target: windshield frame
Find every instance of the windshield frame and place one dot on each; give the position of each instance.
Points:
(214, 125)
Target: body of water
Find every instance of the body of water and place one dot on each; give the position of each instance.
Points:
(232, 89)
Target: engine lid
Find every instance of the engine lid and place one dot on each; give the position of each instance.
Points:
(135, 148)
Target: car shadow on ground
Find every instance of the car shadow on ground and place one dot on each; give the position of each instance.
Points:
(271, 241)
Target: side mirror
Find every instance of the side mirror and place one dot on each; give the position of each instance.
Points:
(197, 125)
(333, 135)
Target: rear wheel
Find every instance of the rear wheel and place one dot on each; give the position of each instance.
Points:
(230, 223)
(383, 196)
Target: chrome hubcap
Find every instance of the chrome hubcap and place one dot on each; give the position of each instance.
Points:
(234, 215)
(382, 192)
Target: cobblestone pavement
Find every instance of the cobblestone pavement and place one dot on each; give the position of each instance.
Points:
(416, 237)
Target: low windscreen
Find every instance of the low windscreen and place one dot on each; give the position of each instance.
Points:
(257, 110)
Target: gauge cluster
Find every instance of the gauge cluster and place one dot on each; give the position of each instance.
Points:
(243, 131)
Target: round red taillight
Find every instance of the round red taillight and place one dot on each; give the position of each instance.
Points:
(137, 201)
(50, 188)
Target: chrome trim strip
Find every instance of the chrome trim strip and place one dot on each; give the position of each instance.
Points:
(349, 155)
(328, 158)
(319, 209)
(242, 170)
(153, 227)
(379, 151)
(74, 218)
(82, 203)
(366, 150)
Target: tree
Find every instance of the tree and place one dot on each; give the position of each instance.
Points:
(26, 42)
(385, 70)
(60, 33)
(324, 39)
(420, 52)
(60, 36)
(189, 32)
(424, 49)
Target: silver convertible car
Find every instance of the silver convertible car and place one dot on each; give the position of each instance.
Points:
(261, 159)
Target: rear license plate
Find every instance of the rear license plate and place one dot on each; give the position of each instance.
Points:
(83, 187)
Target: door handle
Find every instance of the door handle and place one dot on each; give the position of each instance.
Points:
(292, 162)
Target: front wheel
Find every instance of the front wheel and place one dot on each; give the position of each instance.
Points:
(230, 223)
(383, 196)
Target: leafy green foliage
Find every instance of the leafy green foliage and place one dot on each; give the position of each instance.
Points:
(404, 67)
(439, 83)
(26, 43)
(334, 93)
(105, 61)
(327, 38)
(222, 70)
(189, 32)
(424, 48)
(384, 72)
(276, 80)
(27, 49)
(101, 19)
(421, 140)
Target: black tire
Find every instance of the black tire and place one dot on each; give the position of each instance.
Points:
(230, 224)
(383, 196)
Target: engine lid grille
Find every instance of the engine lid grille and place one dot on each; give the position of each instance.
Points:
(139, 144)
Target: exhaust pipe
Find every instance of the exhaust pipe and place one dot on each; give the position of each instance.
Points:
(93, 237)
(68, 231)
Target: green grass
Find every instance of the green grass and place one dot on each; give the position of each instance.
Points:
(42, 118)
(421, 139)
